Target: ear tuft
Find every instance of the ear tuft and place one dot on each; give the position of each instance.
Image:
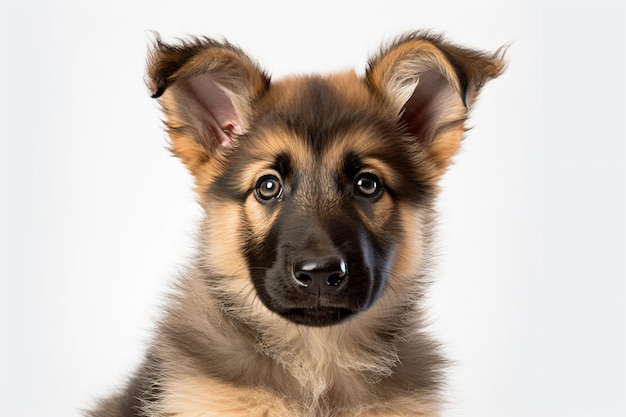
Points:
(206, 89)
(431, 84)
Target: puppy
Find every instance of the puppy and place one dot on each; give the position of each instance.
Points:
(305, 296)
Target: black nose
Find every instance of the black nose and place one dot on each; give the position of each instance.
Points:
(320, 275)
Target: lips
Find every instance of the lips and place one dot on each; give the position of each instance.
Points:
(318, 316)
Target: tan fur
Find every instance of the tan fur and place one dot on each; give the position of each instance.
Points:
(192, 396)
(400, 69)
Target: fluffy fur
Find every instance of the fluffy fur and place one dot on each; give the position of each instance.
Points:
(304, 298)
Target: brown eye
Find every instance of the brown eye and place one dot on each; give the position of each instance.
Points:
(367, 185)
(268, 187)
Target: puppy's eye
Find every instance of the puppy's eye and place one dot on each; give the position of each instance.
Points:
(367, 185)
(268, 187)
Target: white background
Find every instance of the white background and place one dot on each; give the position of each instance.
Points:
(96, 217)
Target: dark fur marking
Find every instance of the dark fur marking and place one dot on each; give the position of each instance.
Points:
(282, 165)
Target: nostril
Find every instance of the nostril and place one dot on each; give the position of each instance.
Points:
(320, 273)
(335, 279)
(303, 278)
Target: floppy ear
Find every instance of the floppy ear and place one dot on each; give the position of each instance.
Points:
(431, 85)
(206, 89)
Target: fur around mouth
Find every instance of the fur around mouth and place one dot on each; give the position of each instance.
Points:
(318, 316)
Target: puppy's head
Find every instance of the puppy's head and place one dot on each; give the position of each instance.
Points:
(317, 189)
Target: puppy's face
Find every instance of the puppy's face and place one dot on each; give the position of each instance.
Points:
(321, 178)
(313, 186)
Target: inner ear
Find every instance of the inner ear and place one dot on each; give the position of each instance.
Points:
(212, 111)
(432, 97)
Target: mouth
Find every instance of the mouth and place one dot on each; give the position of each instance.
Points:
(318, 316)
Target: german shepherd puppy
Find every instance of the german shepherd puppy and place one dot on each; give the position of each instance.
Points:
(304, 298)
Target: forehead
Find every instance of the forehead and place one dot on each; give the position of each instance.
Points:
(318, 108)
(316, 115)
